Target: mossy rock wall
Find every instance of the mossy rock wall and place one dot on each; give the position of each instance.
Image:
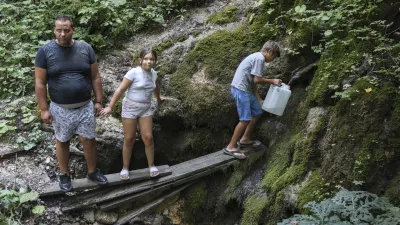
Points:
(355, 141)
(202, 81)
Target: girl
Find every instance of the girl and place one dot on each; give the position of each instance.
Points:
(139, 84)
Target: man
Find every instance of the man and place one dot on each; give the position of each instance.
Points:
(247, 99)
(70, 70)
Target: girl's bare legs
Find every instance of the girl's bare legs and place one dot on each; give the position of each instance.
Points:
(130, 127)
(146, 131)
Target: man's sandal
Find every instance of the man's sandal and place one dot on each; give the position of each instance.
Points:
(235, 153)
(154, 171)
(124, 175)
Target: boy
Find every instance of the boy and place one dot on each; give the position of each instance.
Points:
(247, 99)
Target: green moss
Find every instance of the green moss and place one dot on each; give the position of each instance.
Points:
(254, 210)
(391, 153)
(393, 190)
(359, 124)
(286, 169)
(278, 162)
(335, 64)
(196, 197)
(181, 38)
(163, 45)
(241, 169)
(393, 143)
(317, 189)
(226, 15)
(165, 69)
(218, 55)
(362, 164)
(234, 180)
(259, 32)
(278, 209)
(196, 33)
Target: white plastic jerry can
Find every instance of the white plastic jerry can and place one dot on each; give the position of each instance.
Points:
(276, 100)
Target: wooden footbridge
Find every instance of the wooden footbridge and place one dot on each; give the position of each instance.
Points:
(141, 189)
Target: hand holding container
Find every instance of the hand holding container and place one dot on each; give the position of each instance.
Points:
(276, 100)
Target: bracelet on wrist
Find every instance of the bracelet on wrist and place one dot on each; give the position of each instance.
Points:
(99, 103)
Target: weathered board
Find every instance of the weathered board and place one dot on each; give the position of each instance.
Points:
(156, 191)
(113, 179)
(136, 212)
(6, 152)
(179, 171)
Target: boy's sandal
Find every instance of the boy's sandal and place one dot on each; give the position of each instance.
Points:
(245, 144)
(124, 175)
(154, 171)
(235, 153)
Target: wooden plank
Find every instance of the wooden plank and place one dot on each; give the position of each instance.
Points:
(113, 179)
(155, 191)
(179, 171)
(6, 152)
(130, 215)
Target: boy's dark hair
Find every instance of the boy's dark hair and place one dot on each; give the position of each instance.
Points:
(146, 51)
(65, 18)
(273, 47)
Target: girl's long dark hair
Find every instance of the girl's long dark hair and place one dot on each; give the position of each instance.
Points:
(146, 51)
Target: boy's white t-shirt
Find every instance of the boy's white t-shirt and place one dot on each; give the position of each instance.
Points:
(143, 84)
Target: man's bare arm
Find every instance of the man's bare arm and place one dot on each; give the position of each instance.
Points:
(96, 82)
(41, 94)
(40, 87)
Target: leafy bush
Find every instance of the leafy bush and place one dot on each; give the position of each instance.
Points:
(352, 37)
(348, 207)
(14, 205)
(21, 116)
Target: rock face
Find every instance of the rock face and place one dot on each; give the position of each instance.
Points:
(110, 139)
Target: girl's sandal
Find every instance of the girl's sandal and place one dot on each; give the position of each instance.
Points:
(124, 175)
(154, 171)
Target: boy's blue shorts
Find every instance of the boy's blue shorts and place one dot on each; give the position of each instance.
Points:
(247, 104)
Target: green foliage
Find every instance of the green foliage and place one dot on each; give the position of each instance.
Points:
(346, 33)
(226, 15)
(348, 207)
(26, 25)
(34, 137)
(14, 205)
(21, 117)
(4, 128)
